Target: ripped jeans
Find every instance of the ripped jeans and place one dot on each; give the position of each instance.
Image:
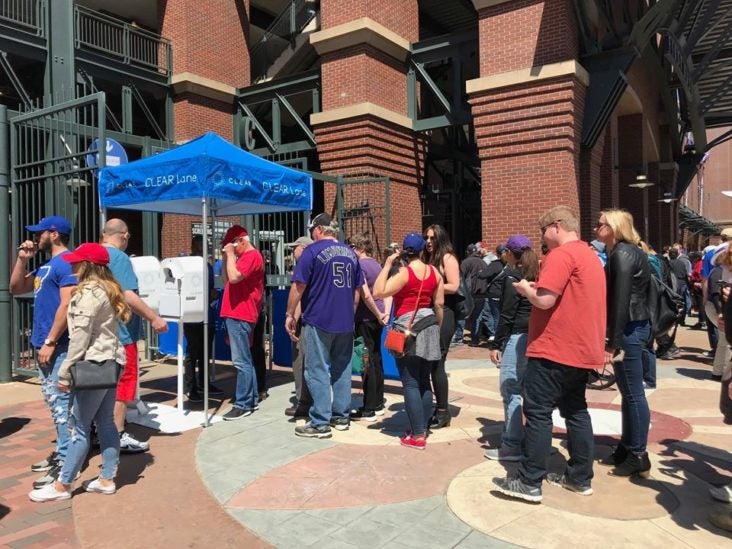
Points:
(58, 403)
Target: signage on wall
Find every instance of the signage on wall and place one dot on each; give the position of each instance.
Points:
(115, 154)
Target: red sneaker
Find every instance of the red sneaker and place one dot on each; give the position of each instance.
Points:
(416, 443)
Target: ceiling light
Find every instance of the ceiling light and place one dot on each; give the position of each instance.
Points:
(641, 182)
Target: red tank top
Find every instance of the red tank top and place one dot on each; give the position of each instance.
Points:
(406, 298)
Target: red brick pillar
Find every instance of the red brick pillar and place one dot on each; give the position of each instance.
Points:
(363, 129)
(590, 191)
(609, 190)
(527, 108)
(210, 61)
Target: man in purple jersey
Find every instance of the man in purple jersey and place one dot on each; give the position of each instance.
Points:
(325, 282)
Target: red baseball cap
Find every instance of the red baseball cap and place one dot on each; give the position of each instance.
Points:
(234, 232)
(91, 252)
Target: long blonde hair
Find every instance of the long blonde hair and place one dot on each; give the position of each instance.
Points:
(89, 273)
(621, 223)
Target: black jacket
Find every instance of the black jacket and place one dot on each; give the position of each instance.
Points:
(515, 310)
(628, 277)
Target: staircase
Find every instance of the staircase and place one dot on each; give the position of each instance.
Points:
(285, 48)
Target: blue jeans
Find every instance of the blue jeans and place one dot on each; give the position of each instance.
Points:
(548, 385)
(58, 402)
(328, 363)
(415, 375)
(629, 376)
(241, 355)
(95, 405)
(649, 366)
(459, 330)
(495, 314)
(513, 370)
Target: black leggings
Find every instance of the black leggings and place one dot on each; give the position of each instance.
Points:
(439, 375)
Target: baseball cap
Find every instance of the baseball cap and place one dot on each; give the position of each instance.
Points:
(599, 246)
(234, 232)
(481, 245)
(320, 220)
(413, 243)
(727, 232)
(51, 223)
(518, 243)
(302, 241)
(472, 248)
(89, 251)
(500, 249)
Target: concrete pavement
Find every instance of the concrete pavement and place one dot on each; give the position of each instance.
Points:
(252, 483)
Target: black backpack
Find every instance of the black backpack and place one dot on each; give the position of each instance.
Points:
(665, 305)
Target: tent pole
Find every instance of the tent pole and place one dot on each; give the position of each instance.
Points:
(204, 215)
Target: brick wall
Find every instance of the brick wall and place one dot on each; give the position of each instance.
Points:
(590, 191)
(209, 38)
(363, 73)
(211, 43)
(525, 33)
(528, 140)
(370, 147)
(399, 16)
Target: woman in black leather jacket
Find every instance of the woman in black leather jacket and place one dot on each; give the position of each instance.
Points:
(628, 329)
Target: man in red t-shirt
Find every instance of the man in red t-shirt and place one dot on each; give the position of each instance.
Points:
(566, 340)
(243, 273)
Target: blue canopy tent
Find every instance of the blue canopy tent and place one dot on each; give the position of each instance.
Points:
(207, 175)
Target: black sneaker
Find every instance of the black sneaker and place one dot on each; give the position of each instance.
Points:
(363, 414)
(340, 423)
(313, 432)
(44, 464)
(194, 396)
(51, 475)
(565, 482)
(380, 410)
(236, 413)
(514, 488)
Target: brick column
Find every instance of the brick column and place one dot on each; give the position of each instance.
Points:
(210, 61)
(363, 129)
(527, 108)
(590, 191)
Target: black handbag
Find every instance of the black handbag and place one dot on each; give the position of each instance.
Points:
(89, 374)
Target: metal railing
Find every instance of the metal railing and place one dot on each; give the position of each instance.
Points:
(280, 35)
(132, 45)
(25, 14)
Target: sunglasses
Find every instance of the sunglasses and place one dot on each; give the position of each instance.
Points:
(546, 227)
(600, 225)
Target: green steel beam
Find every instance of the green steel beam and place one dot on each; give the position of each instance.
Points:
(310, 136)
(267, 90)
(61, 53)
(6, 365)
(126, 109)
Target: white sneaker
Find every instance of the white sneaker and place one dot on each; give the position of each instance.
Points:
(722, 493)
(130, 445)
(99, 488)
(49, 493)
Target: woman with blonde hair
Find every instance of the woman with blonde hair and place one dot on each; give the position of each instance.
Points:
(96, 306)
(628, 275)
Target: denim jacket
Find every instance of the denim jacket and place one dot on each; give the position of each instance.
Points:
(93, 329)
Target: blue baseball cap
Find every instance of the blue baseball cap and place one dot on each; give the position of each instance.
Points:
(413, 243)
(51, 223)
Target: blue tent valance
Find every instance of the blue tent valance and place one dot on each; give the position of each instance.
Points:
(231, 180)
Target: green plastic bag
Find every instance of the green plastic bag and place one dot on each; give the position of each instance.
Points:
(357, 358)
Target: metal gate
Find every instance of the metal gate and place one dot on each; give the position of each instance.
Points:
(363, 206)
(49, 176)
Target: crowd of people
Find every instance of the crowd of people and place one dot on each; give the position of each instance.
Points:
(547, 324)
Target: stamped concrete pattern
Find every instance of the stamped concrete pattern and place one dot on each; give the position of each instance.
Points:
(252, 483)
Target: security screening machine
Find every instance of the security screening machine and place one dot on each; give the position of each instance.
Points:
(149, 285)
(182, 299)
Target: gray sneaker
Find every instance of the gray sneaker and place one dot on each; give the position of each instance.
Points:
(50, 477)
(340, 423)
(722, 493)
(558, 479)
(503, 454)
(45, 464)
(309, 431)
(514, 488)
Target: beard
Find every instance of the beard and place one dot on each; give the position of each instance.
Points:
(45, 245)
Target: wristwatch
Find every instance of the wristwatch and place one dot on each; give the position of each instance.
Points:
(49, 342)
